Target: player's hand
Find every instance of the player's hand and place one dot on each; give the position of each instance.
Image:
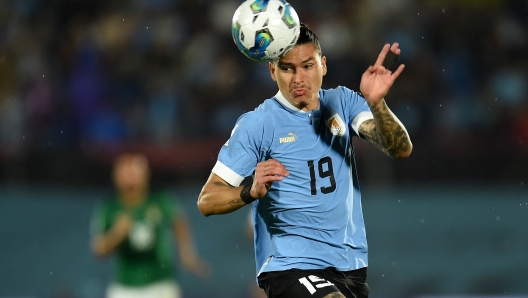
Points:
(377, 80)
(104, 244)
(265, 174)
(197, 266)
(122, 225)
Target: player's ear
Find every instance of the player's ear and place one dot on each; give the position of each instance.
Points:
(323, 64)
(272, 69)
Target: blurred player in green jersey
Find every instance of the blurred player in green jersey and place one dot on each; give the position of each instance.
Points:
(138, 227)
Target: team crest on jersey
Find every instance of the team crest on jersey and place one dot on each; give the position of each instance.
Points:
(142, 236)
(290, 138)
(336, 125)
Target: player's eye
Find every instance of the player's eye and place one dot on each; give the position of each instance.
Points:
(308, 66)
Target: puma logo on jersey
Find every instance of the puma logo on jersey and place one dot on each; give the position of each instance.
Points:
(290, 138)
(336, 125)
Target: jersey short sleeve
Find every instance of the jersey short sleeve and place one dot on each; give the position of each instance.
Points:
(357, 108)
(241, 153)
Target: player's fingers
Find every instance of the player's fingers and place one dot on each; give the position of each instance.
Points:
(274, 167)
(276, 170)
(376, 69)
(395, 48)
(382, 54)
(269, 162)
(370, 70)
(271, 169)
(398, 71)
(271, 178)
(263, 183)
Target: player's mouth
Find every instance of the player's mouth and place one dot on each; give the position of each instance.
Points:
(299, 92)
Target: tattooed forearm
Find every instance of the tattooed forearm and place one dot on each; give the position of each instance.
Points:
(232, 202)
(386, 132)
(236, 202)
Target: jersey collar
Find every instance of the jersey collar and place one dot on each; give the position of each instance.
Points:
(286, 103)
(311, 117)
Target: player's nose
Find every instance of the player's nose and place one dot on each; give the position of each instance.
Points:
(298, 76)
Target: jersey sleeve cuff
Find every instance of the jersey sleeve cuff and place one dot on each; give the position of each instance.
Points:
(227, 174)
(360, 118)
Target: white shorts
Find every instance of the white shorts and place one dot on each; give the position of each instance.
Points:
(163, 289)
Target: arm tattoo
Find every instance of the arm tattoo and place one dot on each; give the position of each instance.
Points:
(232, 202)
(385, 132)
(236, 202)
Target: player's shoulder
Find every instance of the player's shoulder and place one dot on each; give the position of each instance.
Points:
(163, 199)
(160, 196)
(260, 115)
(339, 92)
(109, 201)
(342, 96)
(108, 205)
(269, 106)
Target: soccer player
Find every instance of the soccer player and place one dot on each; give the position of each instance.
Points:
(309, 231)
(136, 225)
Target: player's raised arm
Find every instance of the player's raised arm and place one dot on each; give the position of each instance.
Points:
(385, 131)
(219, 197)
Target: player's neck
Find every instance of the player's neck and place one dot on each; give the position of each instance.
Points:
(132, 197)
(313, 105)
(301, 104)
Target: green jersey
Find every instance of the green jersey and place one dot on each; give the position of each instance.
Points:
(147, 255)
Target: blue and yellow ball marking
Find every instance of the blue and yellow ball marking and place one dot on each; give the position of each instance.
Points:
(288, 19)
(262, 41)
(259, 5)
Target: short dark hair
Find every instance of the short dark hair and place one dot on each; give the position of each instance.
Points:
(307, 36)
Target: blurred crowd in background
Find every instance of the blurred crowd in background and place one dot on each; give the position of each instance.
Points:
(83, 79)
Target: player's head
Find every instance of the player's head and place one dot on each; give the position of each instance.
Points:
(131, 172)
(299, 74)
(307, 36)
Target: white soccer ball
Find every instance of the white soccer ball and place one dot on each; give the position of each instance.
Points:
(265, 30)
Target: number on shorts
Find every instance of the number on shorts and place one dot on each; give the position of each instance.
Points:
(314, 281)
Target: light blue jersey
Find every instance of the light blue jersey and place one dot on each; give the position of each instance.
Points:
(312, 219)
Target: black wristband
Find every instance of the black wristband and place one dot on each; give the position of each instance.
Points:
(391, 61)
(245, 194)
